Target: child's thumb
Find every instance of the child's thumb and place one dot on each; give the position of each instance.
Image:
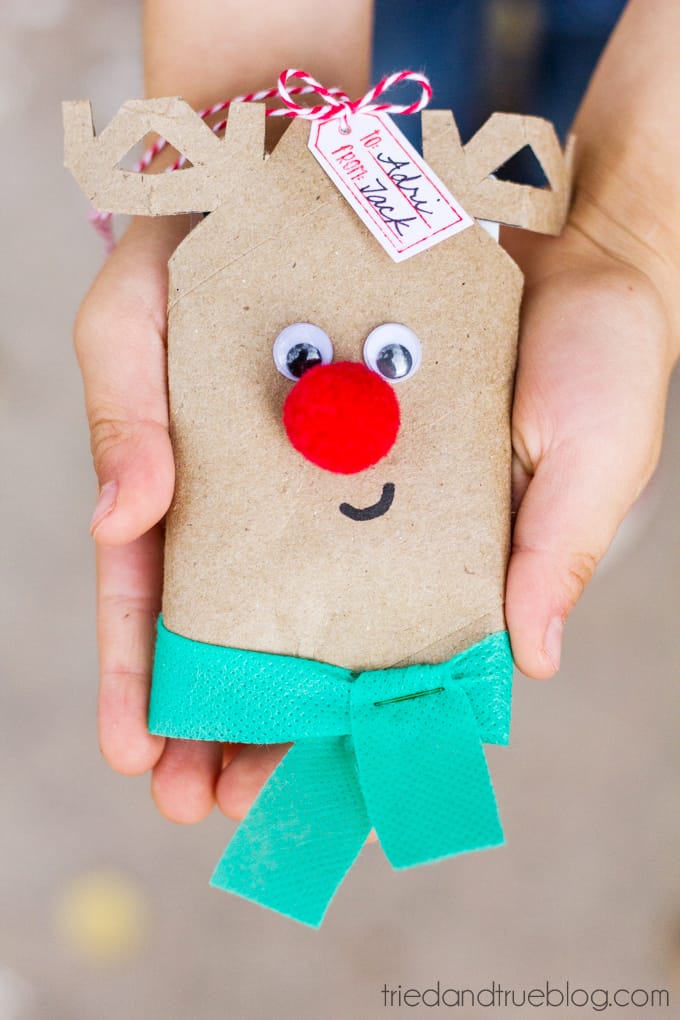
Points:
(568, 516)
(122, 359)
(134, 465)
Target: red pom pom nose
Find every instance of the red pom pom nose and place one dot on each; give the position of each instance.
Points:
(342, 417)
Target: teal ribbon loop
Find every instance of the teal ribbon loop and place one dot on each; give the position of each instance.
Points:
(398, 750)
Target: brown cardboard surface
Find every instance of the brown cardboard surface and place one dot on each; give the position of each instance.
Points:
(201, 187)
(257, 553)
(467, 169)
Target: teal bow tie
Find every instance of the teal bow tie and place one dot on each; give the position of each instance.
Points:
(398, 750)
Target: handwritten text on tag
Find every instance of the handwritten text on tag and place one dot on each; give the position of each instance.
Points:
(388, 184)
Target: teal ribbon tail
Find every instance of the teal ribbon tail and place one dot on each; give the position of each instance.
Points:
(302, 834)
(425, 782)
(399, 750)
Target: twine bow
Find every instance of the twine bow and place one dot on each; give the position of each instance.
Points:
(398, 750)
(337, 103)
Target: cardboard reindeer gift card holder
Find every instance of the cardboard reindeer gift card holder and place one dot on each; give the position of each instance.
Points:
(351, 519)
(258, 554)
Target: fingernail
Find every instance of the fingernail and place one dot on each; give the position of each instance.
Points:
(105, 504)
(552, 642)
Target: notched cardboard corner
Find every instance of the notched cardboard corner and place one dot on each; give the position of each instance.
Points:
(93, 158)
(468, 169)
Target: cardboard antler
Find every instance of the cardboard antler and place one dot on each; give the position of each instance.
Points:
(201, 187)
(468, 169)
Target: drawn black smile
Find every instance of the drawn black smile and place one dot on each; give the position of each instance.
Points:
(369, 513)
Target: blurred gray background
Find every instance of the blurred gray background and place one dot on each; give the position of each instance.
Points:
(105, 909)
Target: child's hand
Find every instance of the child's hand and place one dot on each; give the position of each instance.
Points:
(120, 342)
(594, 363)
(600, 332)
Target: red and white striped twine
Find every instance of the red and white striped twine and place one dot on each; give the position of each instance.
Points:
(336, 103)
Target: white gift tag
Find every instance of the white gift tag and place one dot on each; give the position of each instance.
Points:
(387, 183)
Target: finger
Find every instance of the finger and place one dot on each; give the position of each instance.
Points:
(567, 518)
(120, 343)
(134, 464)
(183, 781)
(128, 602)
(240, 782)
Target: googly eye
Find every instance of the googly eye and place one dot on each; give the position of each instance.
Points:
(393, 351)
(299, 347)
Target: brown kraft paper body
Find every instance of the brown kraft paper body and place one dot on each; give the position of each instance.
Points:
(258, 555)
